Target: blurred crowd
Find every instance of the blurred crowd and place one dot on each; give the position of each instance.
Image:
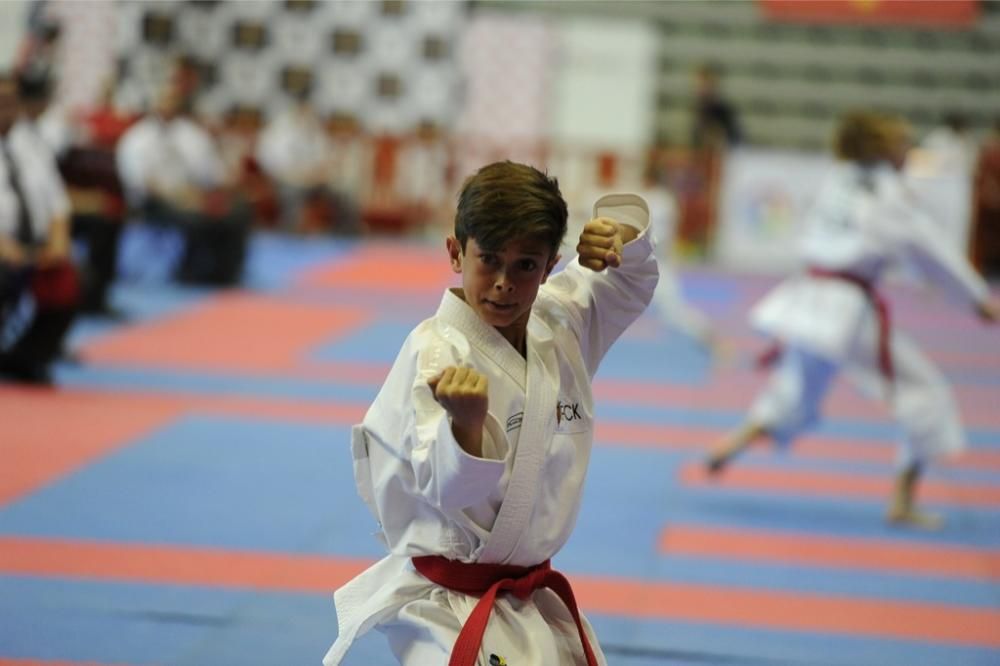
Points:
(93, 195)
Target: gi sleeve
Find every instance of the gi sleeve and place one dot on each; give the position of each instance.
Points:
(601, 305)
(445, 474)
(920, 246)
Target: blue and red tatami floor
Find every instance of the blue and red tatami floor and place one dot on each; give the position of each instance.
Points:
(185, 497)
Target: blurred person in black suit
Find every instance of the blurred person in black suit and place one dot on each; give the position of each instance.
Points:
(716, 123)
(39, 286)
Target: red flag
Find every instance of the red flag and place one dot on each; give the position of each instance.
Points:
(926, 13)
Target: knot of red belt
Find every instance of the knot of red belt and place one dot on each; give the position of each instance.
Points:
(486, 581)
(881, 312)
(770, 355)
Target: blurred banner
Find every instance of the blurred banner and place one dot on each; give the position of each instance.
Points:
(765, 195)
(506, 64)
(927, 13)
(604, 94)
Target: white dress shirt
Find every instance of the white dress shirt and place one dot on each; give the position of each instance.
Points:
(39, 179)
(176, 154)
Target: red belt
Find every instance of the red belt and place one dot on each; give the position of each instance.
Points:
(485, 581)
(881, 311)
(771, 354)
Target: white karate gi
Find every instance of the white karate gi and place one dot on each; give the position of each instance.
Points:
(432, 498)
(863, 223)
(669, 302)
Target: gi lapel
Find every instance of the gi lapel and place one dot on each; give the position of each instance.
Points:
(529, 458)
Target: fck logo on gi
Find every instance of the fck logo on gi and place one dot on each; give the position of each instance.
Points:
(566, 411)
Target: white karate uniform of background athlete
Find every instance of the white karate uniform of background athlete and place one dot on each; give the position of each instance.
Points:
(669, 301)
(432, 498)
(864, 222)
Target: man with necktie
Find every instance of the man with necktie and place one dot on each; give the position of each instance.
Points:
(39, 286)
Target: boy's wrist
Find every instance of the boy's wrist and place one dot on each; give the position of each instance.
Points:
(470, 438)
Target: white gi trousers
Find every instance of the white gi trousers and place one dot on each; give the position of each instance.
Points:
(919, 396)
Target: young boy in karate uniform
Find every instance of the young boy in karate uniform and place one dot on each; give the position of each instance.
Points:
(474, 454)
(831, 317)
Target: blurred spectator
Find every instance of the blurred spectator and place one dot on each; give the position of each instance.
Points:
(715, 128)
(41, 39)
(91, 176)
(295, 151)
(951, 146)
(187, 80)
(39, 285)
(352, 159)
(238, 138)
(715, 125)
(89, 179)
(49, 122)
(174, 176)
(104, 124)
(422, 182)
(986, 206)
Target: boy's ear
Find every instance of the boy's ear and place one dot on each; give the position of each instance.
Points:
(454, 253)
(552, 264)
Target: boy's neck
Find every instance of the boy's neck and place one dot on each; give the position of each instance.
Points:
(516, 334)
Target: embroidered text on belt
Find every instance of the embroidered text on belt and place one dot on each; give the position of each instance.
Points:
(486, 581)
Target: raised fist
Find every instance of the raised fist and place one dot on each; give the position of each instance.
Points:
(600, 244)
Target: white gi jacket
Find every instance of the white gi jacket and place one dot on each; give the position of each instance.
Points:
(864, 222)
(432, 498)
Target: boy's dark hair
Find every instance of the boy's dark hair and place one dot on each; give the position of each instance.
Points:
(504, 201)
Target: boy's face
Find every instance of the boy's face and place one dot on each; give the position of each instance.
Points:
(501, 286)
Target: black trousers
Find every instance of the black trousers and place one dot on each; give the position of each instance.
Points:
(41, 342)
(100, 234)
(214, 246)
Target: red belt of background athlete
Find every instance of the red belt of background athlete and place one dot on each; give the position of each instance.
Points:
(486, 581)
(771, 354)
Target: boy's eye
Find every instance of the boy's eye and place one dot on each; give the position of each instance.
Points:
(527, 264)
(488, 259)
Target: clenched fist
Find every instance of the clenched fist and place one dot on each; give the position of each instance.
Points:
(601, 243)
(463, 393)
